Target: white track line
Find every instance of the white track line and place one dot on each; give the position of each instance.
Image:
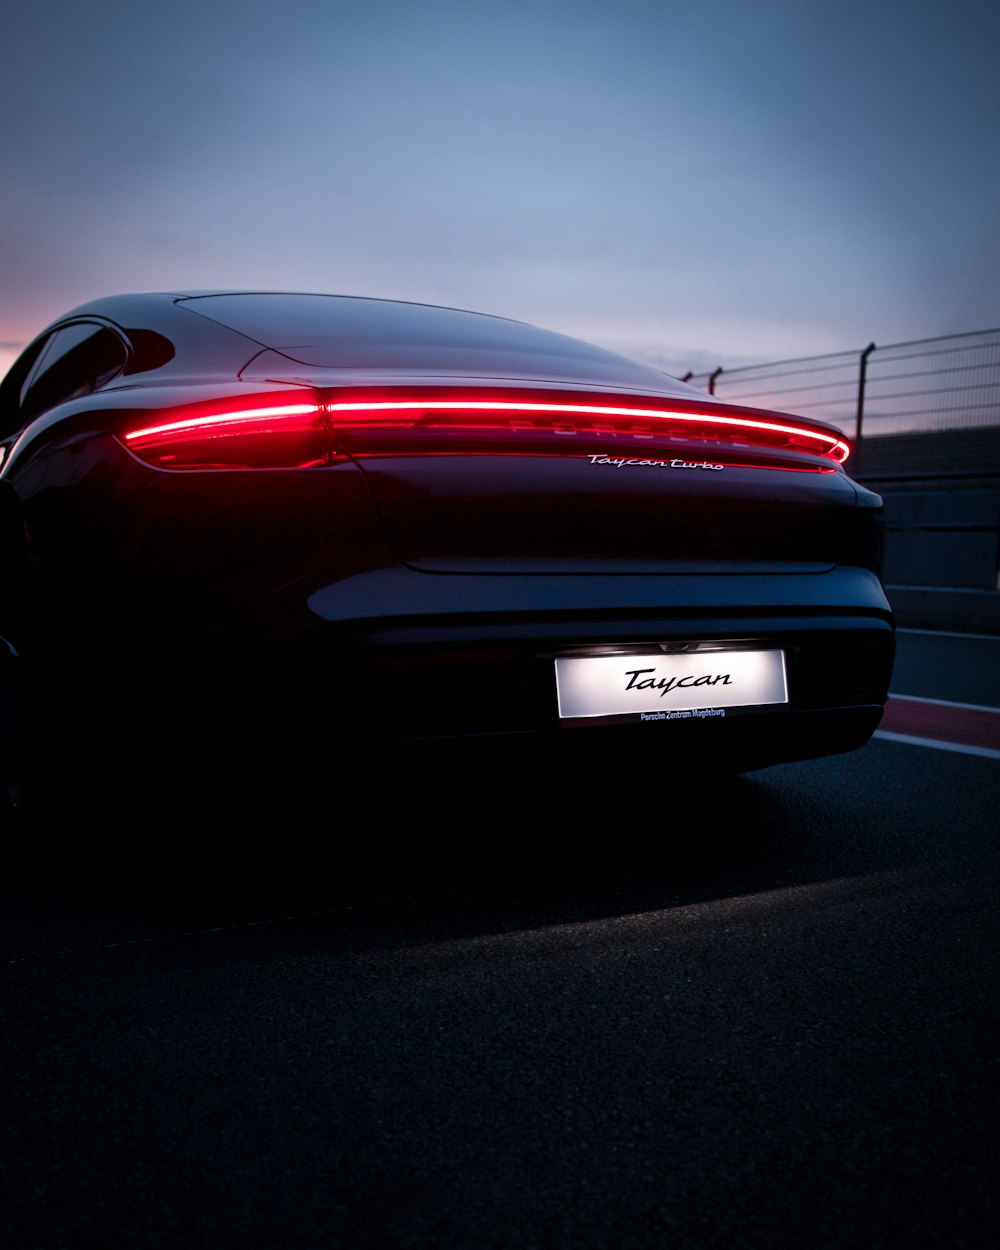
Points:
(919, 698)
(938, 745)
(948, 633)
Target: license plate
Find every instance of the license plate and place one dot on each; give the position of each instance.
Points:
(656, 686)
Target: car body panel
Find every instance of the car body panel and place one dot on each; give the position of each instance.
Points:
(554, 513)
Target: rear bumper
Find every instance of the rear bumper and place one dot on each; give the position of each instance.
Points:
(468, 661)
(418, 664)
(397, 592)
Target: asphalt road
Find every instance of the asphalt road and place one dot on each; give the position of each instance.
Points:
(619, 1012)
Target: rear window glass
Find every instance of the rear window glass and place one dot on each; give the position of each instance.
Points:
(345, 332)
(76, 360)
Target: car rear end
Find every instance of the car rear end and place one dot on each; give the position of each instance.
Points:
(478, 536)
(561, 572)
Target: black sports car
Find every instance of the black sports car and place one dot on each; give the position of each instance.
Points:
(318, 526)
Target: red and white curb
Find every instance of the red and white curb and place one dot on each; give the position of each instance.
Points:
(965, 727)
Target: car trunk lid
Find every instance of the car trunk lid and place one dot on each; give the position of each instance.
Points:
(539, 480)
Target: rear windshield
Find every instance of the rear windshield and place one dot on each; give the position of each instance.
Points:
(346, 332)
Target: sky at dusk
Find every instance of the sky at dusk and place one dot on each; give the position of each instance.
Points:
(690, 182)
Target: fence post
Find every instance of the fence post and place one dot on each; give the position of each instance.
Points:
(711, 380)
(862, 375)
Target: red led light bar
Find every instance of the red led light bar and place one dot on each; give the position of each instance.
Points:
(401, 413)
(283, 436)
(218, 424)
(266, 436)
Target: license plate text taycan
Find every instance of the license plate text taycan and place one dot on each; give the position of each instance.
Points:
(657, 683)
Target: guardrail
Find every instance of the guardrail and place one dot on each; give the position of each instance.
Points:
(929, 385)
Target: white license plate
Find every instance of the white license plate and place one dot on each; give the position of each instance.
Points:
(658, 684)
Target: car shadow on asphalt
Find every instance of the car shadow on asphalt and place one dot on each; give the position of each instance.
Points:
(418, 859)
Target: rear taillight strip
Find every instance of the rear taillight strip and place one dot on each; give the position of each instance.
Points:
(828, 445)
(357, 414)
(219, 419)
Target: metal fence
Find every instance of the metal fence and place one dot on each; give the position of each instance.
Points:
(930, 385)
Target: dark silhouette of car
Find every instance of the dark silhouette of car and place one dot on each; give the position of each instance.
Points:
(299, 529)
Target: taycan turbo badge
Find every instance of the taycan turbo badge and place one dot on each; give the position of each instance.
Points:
(618, 463)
